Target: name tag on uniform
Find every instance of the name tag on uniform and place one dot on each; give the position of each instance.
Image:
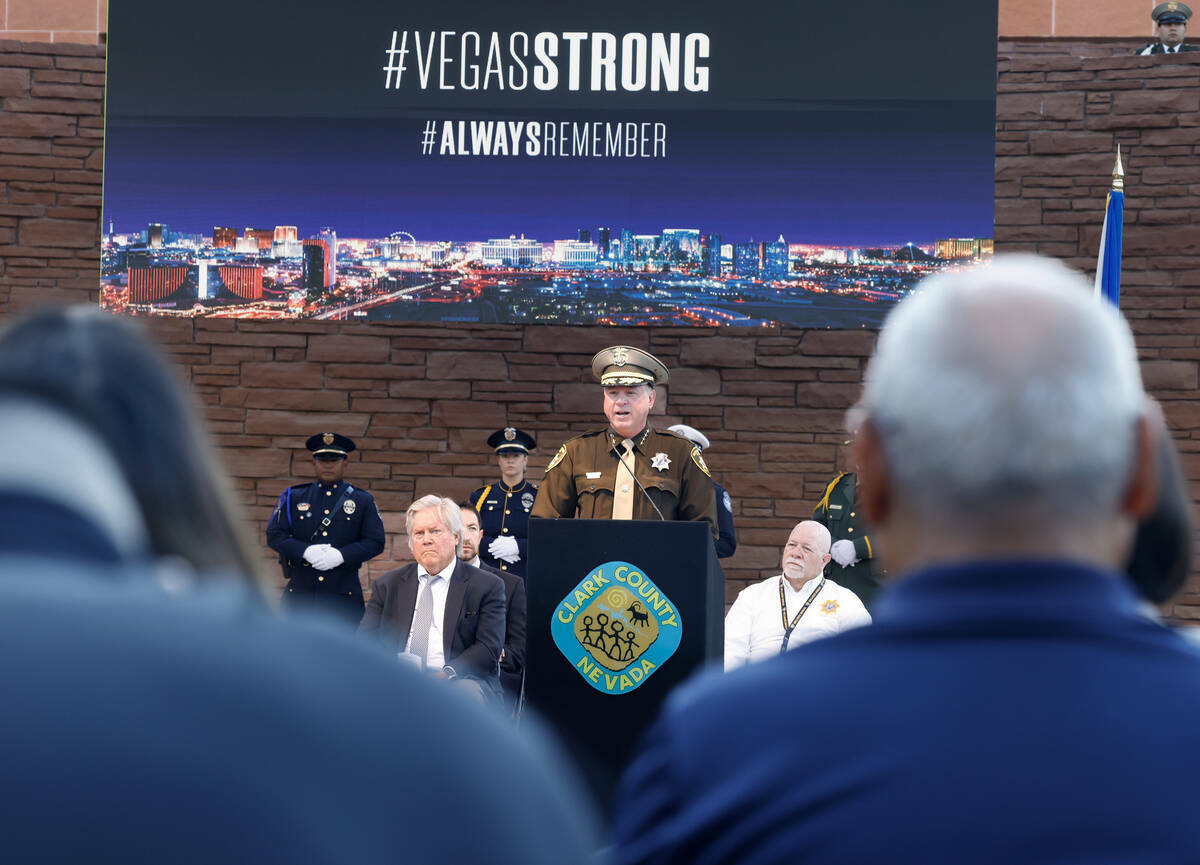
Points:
(591, 476)
(835, 507)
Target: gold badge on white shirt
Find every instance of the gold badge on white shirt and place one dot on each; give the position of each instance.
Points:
(829, 607)
(660, 461)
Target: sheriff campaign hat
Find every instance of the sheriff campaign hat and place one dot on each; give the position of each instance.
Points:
(625, 366)
(329, 445)
(511, 440)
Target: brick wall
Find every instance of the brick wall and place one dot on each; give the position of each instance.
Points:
(1062, 107)
(421, 399)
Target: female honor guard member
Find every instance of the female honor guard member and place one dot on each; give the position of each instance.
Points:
(323, 531)
(503, 508)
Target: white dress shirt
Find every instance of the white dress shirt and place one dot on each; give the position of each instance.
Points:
(754, 628)
(435, 651)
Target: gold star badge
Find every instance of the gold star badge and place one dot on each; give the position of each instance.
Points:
(829, 607)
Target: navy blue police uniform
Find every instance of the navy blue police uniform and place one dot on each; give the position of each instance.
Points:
(504, 510)
(726, 534)
(338, 514)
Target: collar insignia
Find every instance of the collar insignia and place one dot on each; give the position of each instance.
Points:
(661, 461)
(558, 457)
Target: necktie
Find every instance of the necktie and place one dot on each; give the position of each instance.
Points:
(623, 492)
(422, 621)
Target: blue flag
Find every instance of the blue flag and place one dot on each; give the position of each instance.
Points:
(1108, 267)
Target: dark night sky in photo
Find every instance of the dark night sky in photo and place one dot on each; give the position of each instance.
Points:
(278, 115)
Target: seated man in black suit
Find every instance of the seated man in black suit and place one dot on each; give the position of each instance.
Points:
(512, 659)
(439, 613)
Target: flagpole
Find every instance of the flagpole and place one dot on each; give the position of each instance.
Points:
(1108, 263)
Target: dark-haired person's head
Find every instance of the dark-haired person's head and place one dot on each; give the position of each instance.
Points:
(1161, 560)
(100, 428)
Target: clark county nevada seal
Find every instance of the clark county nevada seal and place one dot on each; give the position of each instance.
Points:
(616, 628)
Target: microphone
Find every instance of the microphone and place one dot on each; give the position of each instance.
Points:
(619, 449)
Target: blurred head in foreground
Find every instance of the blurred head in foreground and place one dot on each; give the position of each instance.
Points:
(1003, 416)
(106, 433)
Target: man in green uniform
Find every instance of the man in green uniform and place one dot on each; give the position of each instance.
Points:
(854, 565)
(628, 470)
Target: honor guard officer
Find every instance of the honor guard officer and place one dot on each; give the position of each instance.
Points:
(1170, 20)
(504, 507)
(853, 551)
(727, 541)
(323, 531)
(628, 470)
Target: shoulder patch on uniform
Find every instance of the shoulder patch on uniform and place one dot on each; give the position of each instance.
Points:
(728, 502)
(558, 457)
(699, 460)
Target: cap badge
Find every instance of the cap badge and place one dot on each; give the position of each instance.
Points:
(348, 506)
(510, 434)
(327, 438)
(620, 355)
(660, 461)
(1172, 6)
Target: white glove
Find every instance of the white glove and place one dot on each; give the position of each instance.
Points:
(332, 559)
(323, 557)
(505, 548)
(843, 553)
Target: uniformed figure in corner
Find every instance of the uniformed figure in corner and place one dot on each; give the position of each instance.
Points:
(504, 507)
(323, 532)
(1170, 21)
(727, 542)
(854, 565)
(629, 470)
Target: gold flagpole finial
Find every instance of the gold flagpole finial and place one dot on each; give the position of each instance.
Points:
(1118, 175)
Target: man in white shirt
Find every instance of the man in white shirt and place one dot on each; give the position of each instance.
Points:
(440, 613)
(796, 607)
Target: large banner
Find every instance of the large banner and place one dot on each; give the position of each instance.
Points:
(711, 163)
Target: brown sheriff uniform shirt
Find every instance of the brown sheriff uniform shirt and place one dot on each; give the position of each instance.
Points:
(580, 479)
